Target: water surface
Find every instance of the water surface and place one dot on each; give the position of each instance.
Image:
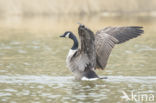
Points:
(33, 70)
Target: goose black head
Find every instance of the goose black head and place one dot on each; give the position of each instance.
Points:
(67, 34)
(70, 35)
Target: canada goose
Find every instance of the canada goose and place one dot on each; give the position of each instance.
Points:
(95, 49)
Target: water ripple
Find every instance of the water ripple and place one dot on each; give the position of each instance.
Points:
(44, 79)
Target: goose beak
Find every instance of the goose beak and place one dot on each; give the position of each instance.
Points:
(62, 36)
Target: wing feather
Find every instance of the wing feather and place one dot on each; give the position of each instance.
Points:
(123, 33)
(106, 39)
(104, 44)
(86, 55)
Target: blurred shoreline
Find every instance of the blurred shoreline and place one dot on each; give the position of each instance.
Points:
(56, 16)
(25, 8)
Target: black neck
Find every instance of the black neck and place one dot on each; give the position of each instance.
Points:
(75, 45)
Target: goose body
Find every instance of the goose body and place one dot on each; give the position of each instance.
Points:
(95, 49)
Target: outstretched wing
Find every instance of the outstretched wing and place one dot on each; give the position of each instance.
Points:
(106, 39)
(87, 51)
(123, 33)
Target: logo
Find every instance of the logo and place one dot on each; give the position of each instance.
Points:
(138, 96)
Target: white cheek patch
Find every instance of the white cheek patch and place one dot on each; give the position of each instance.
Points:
(67, 35)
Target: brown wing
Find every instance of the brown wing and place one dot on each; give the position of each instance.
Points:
(104, 44)
(87, 51)
(106, 39)
(123, 33)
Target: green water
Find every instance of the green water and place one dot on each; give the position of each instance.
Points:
(33, 69)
